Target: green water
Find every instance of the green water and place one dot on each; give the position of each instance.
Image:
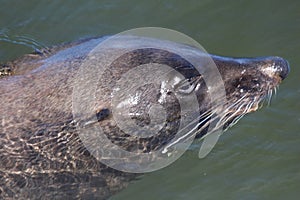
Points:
(259, 158)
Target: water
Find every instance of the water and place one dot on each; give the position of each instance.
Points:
(256, 159)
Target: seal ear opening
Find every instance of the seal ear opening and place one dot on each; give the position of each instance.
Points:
(102, 114)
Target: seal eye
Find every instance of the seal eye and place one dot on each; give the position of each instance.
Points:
(102, 114)
(185, 86)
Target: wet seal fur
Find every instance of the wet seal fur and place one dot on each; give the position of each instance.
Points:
(42, 156)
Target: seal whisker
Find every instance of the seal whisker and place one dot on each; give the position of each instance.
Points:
(246, 110)
(203, 117)
(238, 110)
(192, 132)
(270, 93)
(239, 113)
(221, 120)
(235, 103)
(275, 90)
(232, 115)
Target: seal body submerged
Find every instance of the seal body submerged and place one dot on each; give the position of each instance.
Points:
(42, 155)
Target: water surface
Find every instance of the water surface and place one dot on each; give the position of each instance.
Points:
(256, 159)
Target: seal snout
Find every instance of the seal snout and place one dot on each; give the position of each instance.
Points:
(278, 67)
(283, 67)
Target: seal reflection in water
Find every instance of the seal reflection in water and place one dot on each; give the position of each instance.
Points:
(41, 154)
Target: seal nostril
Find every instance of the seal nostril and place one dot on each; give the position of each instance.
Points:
(285, 71)
(283, 67)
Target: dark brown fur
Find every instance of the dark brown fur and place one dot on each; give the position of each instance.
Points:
(41, 155)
